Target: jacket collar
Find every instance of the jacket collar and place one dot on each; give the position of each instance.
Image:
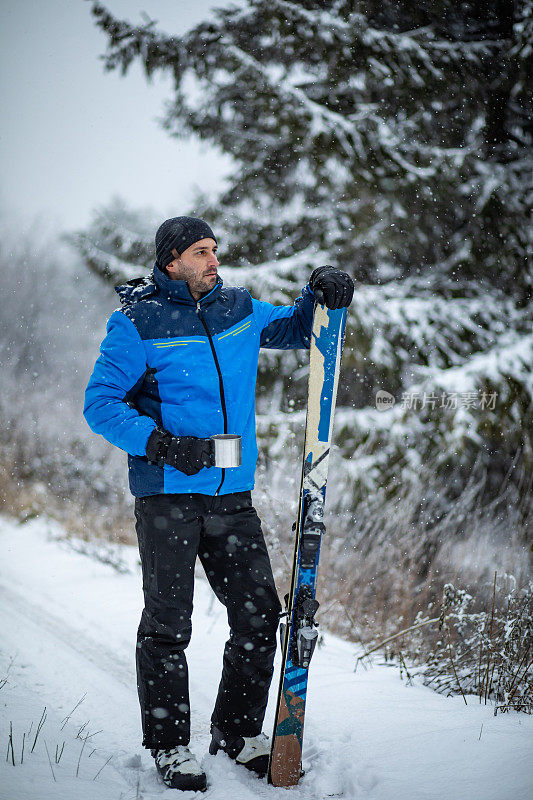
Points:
(178, 291)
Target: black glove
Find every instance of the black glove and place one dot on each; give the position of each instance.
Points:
(331, 287)
(186, 453)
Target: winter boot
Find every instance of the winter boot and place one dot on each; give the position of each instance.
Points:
(179, 769)
(251, 751)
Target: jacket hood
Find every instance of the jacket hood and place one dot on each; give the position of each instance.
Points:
(136, 289)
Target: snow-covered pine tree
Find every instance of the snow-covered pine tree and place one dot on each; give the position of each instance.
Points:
(119, 242)
(393, 140)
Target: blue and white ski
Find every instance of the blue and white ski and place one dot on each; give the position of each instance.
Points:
(299, 634)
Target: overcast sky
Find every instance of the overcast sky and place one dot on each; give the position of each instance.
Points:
(71, 135)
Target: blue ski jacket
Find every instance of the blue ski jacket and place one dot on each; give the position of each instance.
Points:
(188, 367)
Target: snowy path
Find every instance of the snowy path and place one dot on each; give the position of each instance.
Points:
(68, 632)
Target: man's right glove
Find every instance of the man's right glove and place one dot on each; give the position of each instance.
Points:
(186, 453)
(331, 287)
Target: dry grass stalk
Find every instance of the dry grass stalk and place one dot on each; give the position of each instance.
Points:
(49, 760)
(39, 727)
(486, 681)
(393, 637)
(10, 744)
(101, 768)
(453, 665)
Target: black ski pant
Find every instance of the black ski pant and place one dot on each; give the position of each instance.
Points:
(225, 532)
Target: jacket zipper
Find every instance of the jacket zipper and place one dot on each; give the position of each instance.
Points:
(220, 383)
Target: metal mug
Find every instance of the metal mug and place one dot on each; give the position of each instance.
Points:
(227, 448)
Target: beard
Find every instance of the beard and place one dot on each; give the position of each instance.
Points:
(202, 284)
(199, 282)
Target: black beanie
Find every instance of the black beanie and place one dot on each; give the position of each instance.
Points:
(176, 235)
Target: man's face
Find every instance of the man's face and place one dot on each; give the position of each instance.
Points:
(198, 266)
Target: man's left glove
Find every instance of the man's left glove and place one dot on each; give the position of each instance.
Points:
(331, 287)
(186, 453)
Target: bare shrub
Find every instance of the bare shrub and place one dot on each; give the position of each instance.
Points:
(386, 567)
(52, 319)
(487, 653)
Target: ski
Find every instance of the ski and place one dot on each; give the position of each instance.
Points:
(298, 633)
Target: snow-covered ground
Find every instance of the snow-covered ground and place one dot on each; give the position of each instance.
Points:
(67, 643)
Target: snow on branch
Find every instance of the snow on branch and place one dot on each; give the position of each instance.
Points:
(106, 265)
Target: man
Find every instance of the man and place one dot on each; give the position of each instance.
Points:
(178, 365)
